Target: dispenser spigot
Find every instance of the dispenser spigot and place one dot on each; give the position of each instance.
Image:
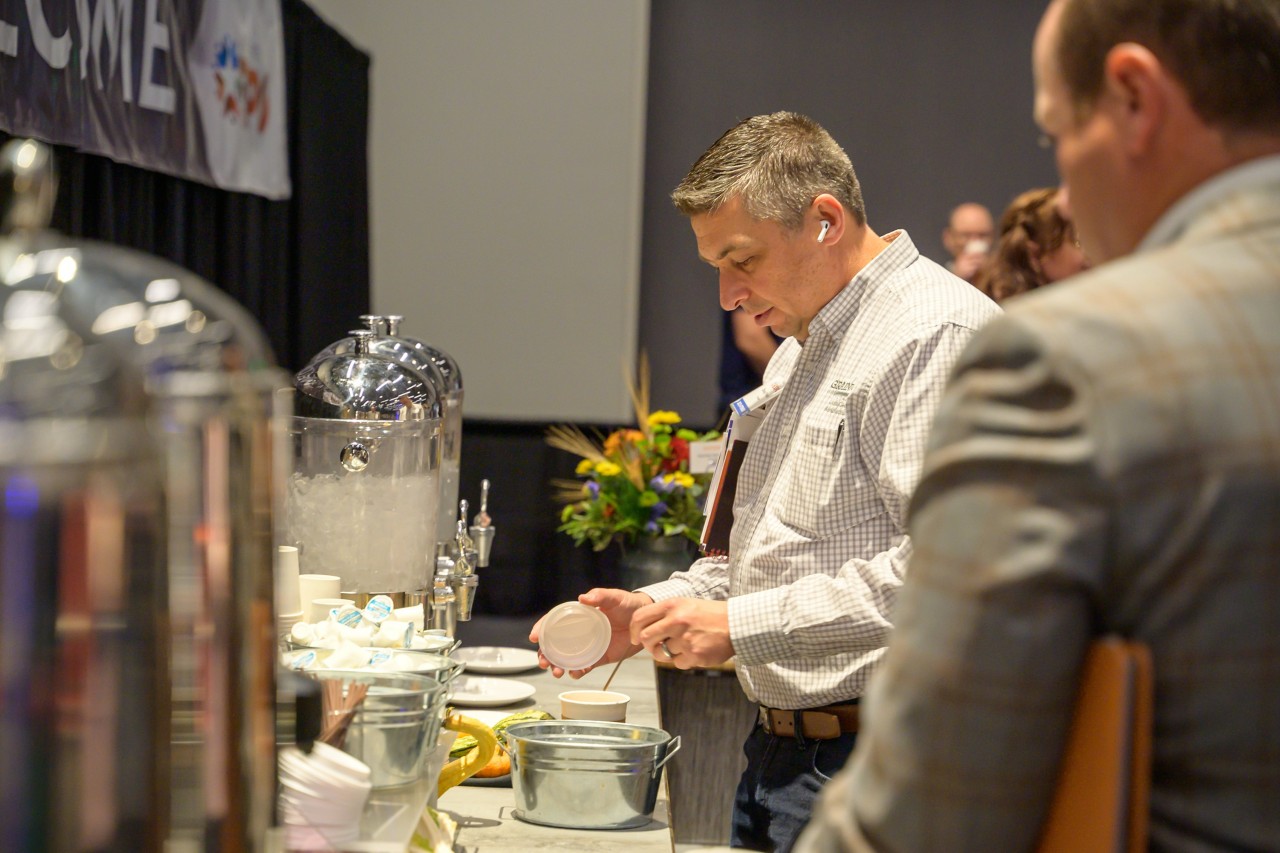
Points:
(444, 606)
(463, 576)
(482, 529)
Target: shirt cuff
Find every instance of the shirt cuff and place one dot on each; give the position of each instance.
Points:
(669, 589)
(756, 627)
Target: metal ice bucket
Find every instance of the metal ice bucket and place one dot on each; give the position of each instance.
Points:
(587, 775)
(398, 720)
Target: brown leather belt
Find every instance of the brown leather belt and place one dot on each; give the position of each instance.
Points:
(825, 723)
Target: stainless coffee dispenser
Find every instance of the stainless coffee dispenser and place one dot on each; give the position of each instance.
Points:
(364, 490)
(136, 492)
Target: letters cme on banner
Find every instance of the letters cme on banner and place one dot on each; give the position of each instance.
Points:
(189, 88)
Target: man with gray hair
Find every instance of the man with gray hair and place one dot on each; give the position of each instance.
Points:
(818, 543)
(1106, 460)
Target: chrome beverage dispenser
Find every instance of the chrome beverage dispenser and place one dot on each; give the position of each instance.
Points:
(137, 484)
(446, 377)
(365, 486)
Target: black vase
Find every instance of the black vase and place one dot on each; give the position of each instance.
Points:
(652, 559)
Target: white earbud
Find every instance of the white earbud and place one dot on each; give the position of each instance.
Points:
(822, 235)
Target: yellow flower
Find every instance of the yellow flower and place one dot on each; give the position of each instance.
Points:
(584, 467)
(607, 469)
(663, 417)
(680, 478)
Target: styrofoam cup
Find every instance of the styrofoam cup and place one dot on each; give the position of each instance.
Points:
(312, 587)
(318, 609)
(604, 705)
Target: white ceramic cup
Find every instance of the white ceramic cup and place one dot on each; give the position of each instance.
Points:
(603, 705)
(318, 609)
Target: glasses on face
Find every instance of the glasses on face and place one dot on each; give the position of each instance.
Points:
(970, 236)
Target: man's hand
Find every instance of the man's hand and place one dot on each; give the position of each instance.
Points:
(968, 263)
(617, 604)
(688, 632)
(970, 260)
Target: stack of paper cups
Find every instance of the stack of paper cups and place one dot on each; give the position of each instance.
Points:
(288, 590)
(322, 796)
(318, 586)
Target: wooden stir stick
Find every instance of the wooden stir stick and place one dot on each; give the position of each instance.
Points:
(609, 680)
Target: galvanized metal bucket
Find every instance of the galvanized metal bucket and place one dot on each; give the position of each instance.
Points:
(396, 724)
(587, 775)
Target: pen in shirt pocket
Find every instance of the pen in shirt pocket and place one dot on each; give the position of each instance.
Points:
(835, 450)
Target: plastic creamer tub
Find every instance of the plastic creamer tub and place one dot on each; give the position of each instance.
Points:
(574, 636)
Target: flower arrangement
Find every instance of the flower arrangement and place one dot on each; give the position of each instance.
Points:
(636, 482)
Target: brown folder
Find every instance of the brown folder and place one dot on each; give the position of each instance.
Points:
(719, 523)
(1100, 803)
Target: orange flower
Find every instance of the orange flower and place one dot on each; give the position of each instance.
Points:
(618, 438)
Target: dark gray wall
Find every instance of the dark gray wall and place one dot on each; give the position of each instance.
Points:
(931, 99)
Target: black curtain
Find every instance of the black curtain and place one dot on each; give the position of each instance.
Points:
(533, 567)
(300, 266)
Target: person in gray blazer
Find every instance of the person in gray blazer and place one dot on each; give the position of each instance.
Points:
(1106, 460)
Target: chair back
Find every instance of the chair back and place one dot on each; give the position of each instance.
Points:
(1100, 802)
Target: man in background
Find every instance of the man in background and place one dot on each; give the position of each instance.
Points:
(818, 545)
(1106, 460)
(968, 237)
(745, 350)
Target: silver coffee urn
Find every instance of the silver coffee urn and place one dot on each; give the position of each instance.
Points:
(137, 479)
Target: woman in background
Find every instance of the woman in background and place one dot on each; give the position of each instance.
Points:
(1037, 246)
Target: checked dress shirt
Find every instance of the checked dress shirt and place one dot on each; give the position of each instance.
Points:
(819, 542)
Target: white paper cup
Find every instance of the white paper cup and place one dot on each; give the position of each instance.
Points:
(285, 623)
(288, 589)
(318, 609)
(312, 587)
(602, 705)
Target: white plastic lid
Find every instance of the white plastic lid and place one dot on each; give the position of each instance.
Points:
(574, 636)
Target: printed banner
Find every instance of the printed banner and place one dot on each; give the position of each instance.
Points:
(193, 88)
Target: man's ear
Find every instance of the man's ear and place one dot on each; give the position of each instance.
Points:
(1136, 94)
(825, 208)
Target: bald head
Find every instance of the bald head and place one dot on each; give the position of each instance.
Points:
(970, 224)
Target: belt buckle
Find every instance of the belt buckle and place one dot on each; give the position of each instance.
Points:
(763, 716)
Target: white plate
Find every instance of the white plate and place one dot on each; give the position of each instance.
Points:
(488, 692)
(489, 718)
(496, 660)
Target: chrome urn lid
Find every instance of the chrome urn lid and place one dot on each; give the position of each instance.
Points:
(363, 385)
(93, 330)
(444, 362)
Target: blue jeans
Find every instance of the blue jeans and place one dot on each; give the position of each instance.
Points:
(780, 786)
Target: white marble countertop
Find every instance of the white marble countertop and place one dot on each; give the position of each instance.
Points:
(484, 814)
